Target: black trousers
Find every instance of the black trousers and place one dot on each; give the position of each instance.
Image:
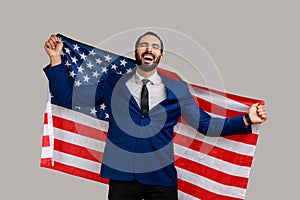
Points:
(133, 190)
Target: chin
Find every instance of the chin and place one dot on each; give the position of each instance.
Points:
(148, 67)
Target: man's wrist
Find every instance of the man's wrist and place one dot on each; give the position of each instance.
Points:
(247, 120)
(55, 60)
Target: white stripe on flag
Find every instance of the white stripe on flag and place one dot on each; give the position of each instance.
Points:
(79, 140)
(46, 152)
(79, 118)
(183, 196)
(77, 162)
(219, 100)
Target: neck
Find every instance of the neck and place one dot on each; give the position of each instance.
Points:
(145, 74)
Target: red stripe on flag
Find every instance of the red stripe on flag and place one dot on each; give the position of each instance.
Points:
(201, 193)
(45, 141)
(78, 128)
(169, 74)
(45, 118)
(216, 152)
(218, 110)
(46, 162)
(244, 100)
(250, 139)
(78, 151)
(210, 173)
(77, 172)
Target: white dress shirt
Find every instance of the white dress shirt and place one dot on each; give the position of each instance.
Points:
(155, 86)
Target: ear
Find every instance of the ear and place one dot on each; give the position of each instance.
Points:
(161, 57)
(135, 52)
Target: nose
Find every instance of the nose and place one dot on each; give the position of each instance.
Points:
(149, 48)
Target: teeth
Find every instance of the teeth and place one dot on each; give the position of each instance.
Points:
(148, 57)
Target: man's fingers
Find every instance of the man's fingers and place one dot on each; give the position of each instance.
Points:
(256, 105)
(53, 38)
(53, 41)
(258, 113)
(53, 47)
(48, 45)
(262, 113)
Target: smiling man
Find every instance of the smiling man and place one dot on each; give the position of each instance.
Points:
(144, 106)
(148, 52)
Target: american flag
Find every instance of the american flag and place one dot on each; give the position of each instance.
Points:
(208, 168)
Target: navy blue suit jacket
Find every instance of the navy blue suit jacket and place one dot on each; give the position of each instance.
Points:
(139, 146)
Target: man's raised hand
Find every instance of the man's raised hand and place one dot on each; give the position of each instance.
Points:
(53, 47)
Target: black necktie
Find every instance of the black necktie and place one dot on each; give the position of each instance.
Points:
(144, 97)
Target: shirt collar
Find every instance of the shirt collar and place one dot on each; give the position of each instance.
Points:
(154, 78)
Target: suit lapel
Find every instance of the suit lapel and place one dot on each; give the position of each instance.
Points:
(123, 89)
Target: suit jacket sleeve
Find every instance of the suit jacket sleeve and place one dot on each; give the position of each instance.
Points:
(208, 125)
(66, 94)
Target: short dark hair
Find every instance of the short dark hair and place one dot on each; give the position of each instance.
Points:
(153, 34)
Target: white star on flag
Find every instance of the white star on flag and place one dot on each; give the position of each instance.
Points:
(123, 62)
(67, 63)
(72, 73)
(77, 83)
(76, 47)
(92, 52)
(80, 69)
(82, 56)
(102, 106)
(74, 59)
(93, 111)
(104, 69)
(107, 58)
(95, 74)
(89, 65)
(86, 78)
(129, 70)
(98, 61)
(68, 50)
(114, 66)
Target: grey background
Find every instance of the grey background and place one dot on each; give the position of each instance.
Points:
(255, 45)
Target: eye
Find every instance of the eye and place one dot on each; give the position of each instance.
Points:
(143, 44)
(156, 46)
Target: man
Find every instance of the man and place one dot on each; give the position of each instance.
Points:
(144, 107)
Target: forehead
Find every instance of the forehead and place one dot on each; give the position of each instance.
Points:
(151, 39)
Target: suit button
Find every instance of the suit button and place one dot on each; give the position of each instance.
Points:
(143, 116)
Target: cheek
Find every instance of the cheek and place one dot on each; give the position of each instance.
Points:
(158, 57)
(139, 53)
(140, 50)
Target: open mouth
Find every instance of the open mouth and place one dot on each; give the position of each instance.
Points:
(148, 58)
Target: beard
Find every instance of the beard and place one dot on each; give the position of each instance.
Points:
(147, 67)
